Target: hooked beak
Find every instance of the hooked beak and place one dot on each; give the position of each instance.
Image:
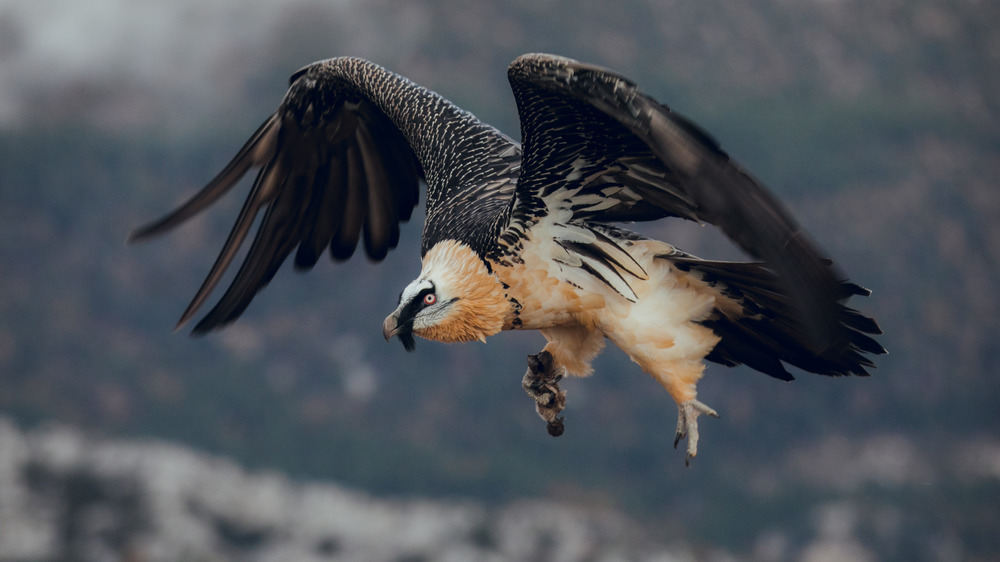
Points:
(390, 327)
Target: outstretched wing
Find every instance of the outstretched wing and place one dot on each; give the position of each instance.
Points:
(339, 162)
(611, 153)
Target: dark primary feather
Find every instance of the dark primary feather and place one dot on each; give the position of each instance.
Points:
(662, 165)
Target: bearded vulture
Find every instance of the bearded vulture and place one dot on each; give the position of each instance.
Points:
(527, 236)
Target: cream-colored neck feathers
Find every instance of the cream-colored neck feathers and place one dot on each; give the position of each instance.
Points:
(481, 306)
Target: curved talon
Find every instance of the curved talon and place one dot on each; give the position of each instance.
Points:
(687, 425)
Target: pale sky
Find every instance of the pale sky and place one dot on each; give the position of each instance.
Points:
(173, 50)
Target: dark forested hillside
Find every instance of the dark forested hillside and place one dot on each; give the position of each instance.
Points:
(876, 122)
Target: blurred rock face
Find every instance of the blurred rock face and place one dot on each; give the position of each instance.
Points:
(68, 496)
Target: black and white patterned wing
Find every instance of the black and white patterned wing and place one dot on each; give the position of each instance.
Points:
(616, 154)
(339, 162)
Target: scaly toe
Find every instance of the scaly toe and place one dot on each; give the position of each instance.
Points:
(687, 425)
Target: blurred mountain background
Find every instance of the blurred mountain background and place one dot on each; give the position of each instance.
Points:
(878, 123)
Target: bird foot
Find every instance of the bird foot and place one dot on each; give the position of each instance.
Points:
(687, 425)
(541, 382)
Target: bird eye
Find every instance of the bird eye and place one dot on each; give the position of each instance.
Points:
(430, 299)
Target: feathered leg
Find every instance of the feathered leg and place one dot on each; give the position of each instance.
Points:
(680, 379)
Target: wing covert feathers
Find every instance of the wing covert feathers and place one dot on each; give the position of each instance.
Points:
(698, 180)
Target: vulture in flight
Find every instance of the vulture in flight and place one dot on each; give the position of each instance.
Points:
(529, 235)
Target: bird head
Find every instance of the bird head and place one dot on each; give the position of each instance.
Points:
(455, 299)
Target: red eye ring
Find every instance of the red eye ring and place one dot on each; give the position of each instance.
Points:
(430, 298)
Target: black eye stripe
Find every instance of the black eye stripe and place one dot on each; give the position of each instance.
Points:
(419, 298)
(413, 307)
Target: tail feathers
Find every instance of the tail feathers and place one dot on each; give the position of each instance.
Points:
(766, 334)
